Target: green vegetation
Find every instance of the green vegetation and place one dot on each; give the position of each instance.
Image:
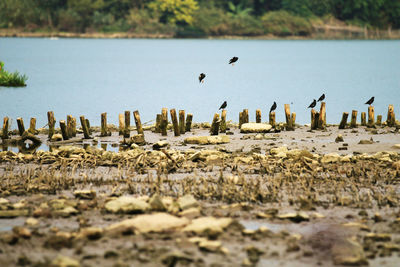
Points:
(197, 18)
(11, 79)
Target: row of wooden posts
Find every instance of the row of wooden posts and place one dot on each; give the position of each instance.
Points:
(181, 124)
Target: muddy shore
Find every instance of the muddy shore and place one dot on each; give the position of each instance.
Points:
(296, 198)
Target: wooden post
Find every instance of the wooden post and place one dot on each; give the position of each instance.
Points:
(314, 119)
(164, 121)
(353, 123)
(88, 126)
(73, 127)
(182, 121)
(51, 123)
(390, 121)
(189, 118)
(215, 125)
(21, 127)
(104, 130)
(379, 120)
(371, 116)
(293, 119)
(222, 125)
(272, 119)
(69, 125)
(258, 116)
(245, 115)
(32, 126)
(174, 122)
(138, 123)
(158, 123)
(343, 122)
(64, 131)
(6, 124)
(322, 116)
(363, 119)
(240, 119)
(127, 131)
(121, 124)
(289, 124)
(85, 127)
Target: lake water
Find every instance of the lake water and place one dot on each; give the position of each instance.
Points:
(91, 76)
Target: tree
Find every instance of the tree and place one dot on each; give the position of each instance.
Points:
(175, 11)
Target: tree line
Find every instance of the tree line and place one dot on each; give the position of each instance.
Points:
(196, 18)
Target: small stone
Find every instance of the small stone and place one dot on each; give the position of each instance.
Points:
(127, 204)
(207, 140)
(4, 201)
(210, 246)
(67, 212)
(255, 128)
(63, 261)
(22, 232)
(396, 146)
(9, 238)
(339, 138)
(91, 233)
(378, 237)
(365, 142)
(348, 252)
(32, 222)
(85, 194)
(137, 139)
(13, 213)
(160, 144)
(208, 225)
(56, 137)
(174, 258)
(259, 137)
(156, 203)
(190, 213)
(330, 158)
(295, 217)
(187, 202)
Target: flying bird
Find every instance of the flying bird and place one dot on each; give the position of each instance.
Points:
(201, 77)
(313, 104)
(273, 107)
(370, 101)
(223, 106)
(322, 97)
(233, 60)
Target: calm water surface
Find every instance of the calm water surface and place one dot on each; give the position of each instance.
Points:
(89, 76)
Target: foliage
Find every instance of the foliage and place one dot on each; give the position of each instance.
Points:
(175, 11)
(282, 23)
(14, 79)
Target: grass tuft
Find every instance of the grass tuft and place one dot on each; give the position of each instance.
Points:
(14, 79)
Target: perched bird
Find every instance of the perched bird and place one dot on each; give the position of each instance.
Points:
(322, 97)
(370, 101)
(233, 60)
(201, 77)
(273, 107)
(223, 106)
(313, 104)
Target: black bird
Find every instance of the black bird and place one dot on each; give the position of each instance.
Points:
(322, 97)
(223, 106)
(201, 77)
(370, 101)
(273, 107)
(233, 60)
(313, 104)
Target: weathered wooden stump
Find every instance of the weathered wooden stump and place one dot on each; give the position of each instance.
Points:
(121, 121)
(182, 121)
(104, 129)
(240, 119)
(138, 123)
(258, 116)
(189, 118)
(69, 126)
(21, 127)
(85, 127)
(322, 116)
(293, 118)
(245, 115)
(127, 130)
(174, 122)
(371, 116)
(6, 124)
(314, 119)
(32, 126)
(363, 119)
(88, 126)
(222, 125)
(164, 121)
(215, 124)
(343, 122)
(64, 131)
(379, 120)
(51, 123)
(289, 122)
(391, 120)
(353, 123)
(157, 128)
(272, 119)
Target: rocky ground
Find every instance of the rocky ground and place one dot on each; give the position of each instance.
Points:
(296, 198)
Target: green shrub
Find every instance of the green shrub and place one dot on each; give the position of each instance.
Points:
(11, 79)
(282, 23)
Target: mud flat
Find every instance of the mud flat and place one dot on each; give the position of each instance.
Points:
(295, 198)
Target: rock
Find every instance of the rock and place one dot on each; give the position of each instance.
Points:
(13, 213)
(259, 137)
(299, 154)
(175, 257)
(157, 222)
(32, 222)
(208, 224)
(63, 261)
(187, 202)
(91, 233)
(348, 252)
(396, 146)
(346, 158)
(190, 213)
(67, 211)
(160, 144)
(56, 137)
(85, 194)
(4, 201)
(127, 204)
(279, 152)
(339, 138)
(210, 246)
(156, 203)
(207, 140)
(330, 158)
(378, 237)
(365, 142)
(59, 240)
(255, 128)
(67, 151)
(295, 217)
(22, 232)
